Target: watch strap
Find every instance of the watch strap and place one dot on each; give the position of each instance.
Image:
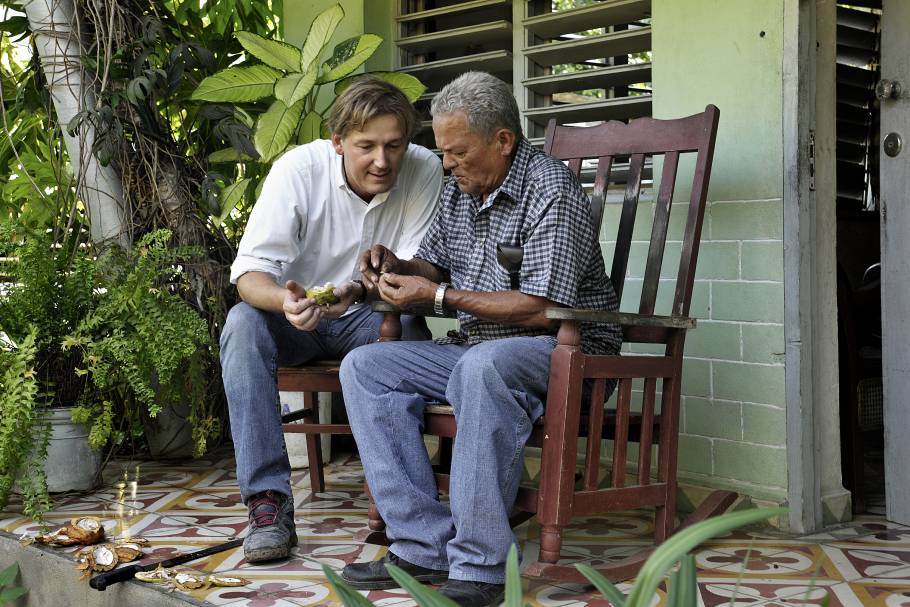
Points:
(440, 296)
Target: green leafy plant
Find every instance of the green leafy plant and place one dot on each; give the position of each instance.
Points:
(50, 291)
(9, 593)
(142, 347)
(293, 78)
(681, 584)
(23, 437)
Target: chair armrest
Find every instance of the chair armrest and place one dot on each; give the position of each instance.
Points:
(383, 306)
(621, 318)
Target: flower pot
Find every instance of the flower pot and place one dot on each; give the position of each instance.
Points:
(169, 434)
(70, 465)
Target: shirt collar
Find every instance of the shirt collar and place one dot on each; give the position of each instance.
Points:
(338, 181)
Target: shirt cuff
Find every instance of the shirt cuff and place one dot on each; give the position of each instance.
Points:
(244, 264)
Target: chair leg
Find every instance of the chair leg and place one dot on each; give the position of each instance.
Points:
(557, 481)
(314, 444)
(665, 515)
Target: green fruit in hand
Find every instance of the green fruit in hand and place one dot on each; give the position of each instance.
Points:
(323, 295)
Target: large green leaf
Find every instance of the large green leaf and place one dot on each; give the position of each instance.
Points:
(409, 85)
(238, 84)
(277, 54)
(320, 33)
(275, 129)
(228, 155)
(348, 56)
(230, 198)
(310, 128)
(295, 87)
(9, 574)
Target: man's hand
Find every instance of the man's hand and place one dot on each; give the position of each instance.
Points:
(346, 295)
(378, 260)
(301, 311)
(407, 291)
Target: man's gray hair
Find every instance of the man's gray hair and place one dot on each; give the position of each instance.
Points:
(487, 102)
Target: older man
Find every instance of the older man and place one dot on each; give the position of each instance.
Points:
(494, 370)
(321, 205)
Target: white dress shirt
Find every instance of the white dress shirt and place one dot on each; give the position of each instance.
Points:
(308, 225)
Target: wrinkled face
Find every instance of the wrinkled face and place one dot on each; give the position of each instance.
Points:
(372, 156)
(479, 166)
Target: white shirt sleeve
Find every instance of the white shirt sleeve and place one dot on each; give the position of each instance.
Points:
(275, 229)
(423, 200)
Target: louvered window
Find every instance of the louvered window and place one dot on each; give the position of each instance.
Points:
(578, 61)
(858, 59)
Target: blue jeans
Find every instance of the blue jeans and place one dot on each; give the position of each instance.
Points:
(254, 343)
(497, 389)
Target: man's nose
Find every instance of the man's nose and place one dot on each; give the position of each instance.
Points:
(381, 159)
(448, 163)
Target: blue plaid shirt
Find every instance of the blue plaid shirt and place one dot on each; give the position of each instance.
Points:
(541, 207)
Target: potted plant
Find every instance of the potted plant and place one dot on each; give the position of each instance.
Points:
(51, 289)
(142, 348)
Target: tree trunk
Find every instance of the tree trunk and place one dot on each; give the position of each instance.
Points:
(56, 34)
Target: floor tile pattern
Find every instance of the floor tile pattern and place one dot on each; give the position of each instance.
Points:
(188, 505)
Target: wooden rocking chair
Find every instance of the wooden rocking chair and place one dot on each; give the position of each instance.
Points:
(557, 499)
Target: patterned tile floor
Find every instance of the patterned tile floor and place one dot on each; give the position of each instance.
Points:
(185, 506)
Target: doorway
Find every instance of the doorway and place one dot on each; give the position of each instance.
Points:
(858, 69)
(873, 244)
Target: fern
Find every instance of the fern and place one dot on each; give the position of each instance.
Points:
(142, 345)
(22, 449)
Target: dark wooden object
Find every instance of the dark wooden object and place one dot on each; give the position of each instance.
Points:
(560, 496)
(311, 380)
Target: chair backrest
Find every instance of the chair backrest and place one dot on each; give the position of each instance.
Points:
(639, 140)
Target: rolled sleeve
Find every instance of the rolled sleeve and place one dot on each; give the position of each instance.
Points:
(274, 231)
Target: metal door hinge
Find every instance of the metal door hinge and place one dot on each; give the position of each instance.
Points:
(811, 158)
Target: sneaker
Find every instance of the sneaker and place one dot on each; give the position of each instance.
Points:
(272, 531)
(473, 594)
(374, 575)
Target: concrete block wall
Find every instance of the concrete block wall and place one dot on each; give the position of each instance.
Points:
(733, 417)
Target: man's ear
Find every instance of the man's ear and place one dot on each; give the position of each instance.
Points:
(506, 140)
(336, 141)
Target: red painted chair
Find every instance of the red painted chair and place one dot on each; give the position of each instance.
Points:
(560, 495)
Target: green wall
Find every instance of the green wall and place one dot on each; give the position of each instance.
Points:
(730, 53)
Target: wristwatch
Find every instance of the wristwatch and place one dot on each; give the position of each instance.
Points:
(440, 296)
(363, 291)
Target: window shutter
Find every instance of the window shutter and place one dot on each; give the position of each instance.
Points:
(573, 60)
(858, 60)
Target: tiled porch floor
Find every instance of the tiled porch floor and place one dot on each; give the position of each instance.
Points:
(189, 505)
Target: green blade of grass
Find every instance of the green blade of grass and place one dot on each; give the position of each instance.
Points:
(349, 597)
(683, 542)
(513, 579)
(425, 596)
(686, 584)
(603, 585)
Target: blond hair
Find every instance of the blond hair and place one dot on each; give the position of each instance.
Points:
(369, 97)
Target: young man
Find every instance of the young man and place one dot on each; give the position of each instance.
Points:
(494, 371)
(321, 204)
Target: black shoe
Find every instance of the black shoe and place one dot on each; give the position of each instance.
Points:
(374, 575)
(473, 594)
(272, 532)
